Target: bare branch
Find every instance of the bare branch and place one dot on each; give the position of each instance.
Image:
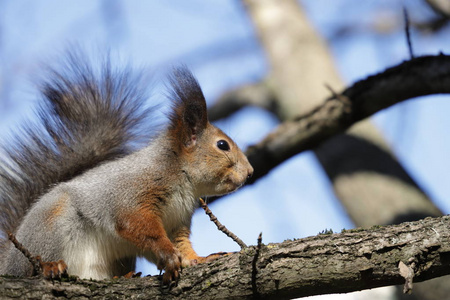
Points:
(418, 77)
(258, 95)
(327, 263)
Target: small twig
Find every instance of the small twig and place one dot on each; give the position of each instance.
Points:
(407, 32)
(332, 91)
(256, 294)
(34, 260)
(219, 225)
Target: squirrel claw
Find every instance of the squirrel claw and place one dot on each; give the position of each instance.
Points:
(172, 269)
(170, 277)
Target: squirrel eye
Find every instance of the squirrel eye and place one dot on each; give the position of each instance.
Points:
(223, 145)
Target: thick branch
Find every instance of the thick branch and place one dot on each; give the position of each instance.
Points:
(418, 77)
(332, 263)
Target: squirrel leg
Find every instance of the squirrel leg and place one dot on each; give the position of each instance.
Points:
(184, 245)
(188, 254)
(145, 229)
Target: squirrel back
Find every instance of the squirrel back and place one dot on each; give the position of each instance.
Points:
(86, 117)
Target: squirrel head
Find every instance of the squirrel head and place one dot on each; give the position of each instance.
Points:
(210, 159)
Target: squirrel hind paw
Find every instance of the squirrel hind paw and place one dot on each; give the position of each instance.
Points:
(54, 269)
(207, 259)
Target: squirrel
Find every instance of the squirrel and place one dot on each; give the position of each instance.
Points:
(75, 190)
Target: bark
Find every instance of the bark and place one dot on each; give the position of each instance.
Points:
(327, 263)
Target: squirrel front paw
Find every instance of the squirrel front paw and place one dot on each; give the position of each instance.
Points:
(171, 264)
(53, 269)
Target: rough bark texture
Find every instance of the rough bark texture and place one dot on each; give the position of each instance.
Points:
(327, 263)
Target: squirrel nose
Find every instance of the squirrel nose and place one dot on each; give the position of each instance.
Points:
(250, 173)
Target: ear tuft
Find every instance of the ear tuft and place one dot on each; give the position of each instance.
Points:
(188, 118)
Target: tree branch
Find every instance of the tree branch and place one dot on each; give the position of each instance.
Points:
(258, 94)
(327, 263)
(418, 77)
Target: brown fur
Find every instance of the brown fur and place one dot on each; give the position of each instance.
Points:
(53, 269)
(57, 210)
(144, 229)
(184, 245)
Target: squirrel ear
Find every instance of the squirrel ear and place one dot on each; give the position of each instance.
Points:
(188, 118)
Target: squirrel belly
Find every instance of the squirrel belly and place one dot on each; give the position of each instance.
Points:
(99, 217)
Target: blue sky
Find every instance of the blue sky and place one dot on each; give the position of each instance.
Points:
(217, 41)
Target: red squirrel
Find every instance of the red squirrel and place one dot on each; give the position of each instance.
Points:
(74, 190)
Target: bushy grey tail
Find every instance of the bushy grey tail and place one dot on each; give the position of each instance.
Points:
(87, 116)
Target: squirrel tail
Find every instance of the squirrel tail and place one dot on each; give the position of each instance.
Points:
(87, 116)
